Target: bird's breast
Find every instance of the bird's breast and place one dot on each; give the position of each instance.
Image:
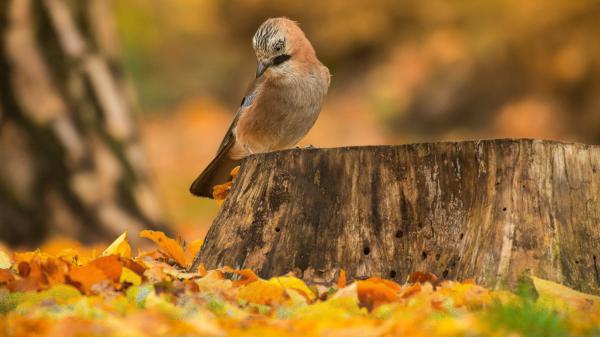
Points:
(282, 113)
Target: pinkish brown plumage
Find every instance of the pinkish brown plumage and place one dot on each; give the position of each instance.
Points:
(281, 106)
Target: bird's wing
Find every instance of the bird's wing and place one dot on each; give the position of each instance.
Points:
(217, 171)
(247, 101)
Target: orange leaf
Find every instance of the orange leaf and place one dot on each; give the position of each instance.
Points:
(202, 270)
(85, 277)
(247, 275)
(167, 245)
(110, 265)
(342, 279)
(220, 192)
(234, 172)
(410, 290)
(191, 250)
(55, 271)
(421, 277)
(376, 291)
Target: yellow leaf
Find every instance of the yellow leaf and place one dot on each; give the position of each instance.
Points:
(191, 250)
(556, 293)
(294, 283)
(167, 245)
(129, 276)
(5, 262)
(119, 247)
(262, 292)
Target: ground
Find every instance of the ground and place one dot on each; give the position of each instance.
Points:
(65, 290)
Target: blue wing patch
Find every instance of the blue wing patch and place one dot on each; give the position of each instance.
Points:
(247, 101)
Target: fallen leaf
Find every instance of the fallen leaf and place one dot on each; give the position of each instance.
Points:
(376, 291)
(85, 277)
(129, 276)
(247, 275)
(342, 279)
(262, 292)
(167, 245)
(119, 247)
(296, 284)
(220, 192)
(191, 250)
(6, 276)
(110, 265)
(554, 292)
(5, 261)
(422, 277)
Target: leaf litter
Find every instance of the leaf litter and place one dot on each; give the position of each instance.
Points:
(152, 294)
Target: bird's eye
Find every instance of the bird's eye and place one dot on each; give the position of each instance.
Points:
(280, 59)
(278, 48)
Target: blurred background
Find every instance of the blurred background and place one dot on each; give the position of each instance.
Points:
(403, 71)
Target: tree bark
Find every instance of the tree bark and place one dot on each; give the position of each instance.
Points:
(491, 210)
(71, 161)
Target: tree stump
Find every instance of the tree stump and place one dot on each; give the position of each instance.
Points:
(491, 210)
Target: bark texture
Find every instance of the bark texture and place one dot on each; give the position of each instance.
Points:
(493, 210)
(71, 163)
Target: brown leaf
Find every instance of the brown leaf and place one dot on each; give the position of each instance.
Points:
(133, 266)
(422, 277)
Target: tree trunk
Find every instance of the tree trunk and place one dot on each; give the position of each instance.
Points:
(71, 162)
(492, 210)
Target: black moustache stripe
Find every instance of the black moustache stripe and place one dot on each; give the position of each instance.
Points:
(280, 59)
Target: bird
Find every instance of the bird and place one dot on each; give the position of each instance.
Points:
(280, 106)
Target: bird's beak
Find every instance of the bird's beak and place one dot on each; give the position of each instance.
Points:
(262, 66)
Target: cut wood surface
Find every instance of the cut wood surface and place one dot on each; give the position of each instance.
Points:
(493, 210)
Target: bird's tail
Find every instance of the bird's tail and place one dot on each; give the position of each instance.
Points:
(217, 172)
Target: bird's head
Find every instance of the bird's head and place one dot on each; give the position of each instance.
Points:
(277, 42)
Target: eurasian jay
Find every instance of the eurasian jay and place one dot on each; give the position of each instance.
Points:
(281, 105)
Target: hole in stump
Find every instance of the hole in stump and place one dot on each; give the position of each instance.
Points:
(576, 261)
(504, 209)
(277, 229)
(445, 273)
(399, 234)
(461, 236)
(392, 274)
(367, 250)
(424, 255)
(437, 256)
